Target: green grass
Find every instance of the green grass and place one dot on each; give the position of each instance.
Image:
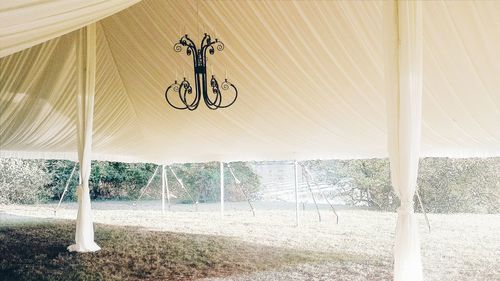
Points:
(37, 251)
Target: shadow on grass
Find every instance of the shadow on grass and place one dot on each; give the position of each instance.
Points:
(37, 251)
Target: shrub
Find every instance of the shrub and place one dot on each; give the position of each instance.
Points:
(23, 181)
(445, 185)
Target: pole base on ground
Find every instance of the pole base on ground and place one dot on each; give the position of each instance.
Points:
(88, 247)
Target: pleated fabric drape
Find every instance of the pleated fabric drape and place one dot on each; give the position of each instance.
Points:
(86, 67)
(403, 80)
(26, 23)
(310, 76)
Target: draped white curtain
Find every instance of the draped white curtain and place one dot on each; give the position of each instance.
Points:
(403, 70)
(25, 23)
(86, 61)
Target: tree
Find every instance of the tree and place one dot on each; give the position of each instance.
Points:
(360, 182)
(59, 172)
(116, 180)
(202, 180)
(460, 185)
(22, 181)
(249, 182)
(444, 184)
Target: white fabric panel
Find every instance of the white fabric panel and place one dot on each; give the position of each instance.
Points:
(282, 114)
(309, 73)
(25, 23)
(86, 57)
(403, 70)
(37, 108)
(461, 102)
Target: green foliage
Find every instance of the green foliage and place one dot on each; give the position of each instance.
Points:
(29, 181)
(116, 180)
(370, 183)
(59, 172)
(249, 182)
(22, 181)
(202, 180)
(108, 180)
(445, 185)
(360, 182)
(460, 185)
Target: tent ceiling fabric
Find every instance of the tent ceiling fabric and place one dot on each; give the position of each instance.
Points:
(309, 74)
(25, 23)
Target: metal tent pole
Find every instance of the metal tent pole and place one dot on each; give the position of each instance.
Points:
(184, 188)
(311, 191)
(322, 194)
(65, 189)
(168, 190)
(163, 189)
(147, 185)
(238, 184)
(295, 170)
(222, 188)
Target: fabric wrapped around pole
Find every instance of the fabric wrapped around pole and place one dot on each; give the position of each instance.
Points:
(403, 80)
(30, 22)
(86, 60)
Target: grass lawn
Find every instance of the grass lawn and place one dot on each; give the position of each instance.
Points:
(37, 251)
(139, 242)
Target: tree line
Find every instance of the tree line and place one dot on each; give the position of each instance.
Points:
(29, 181)
(444, 185)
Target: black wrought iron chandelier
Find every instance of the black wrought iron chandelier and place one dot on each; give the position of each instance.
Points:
(181, 96)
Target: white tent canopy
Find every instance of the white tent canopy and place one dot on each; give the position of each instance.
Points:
(317, 79)
(310, 77)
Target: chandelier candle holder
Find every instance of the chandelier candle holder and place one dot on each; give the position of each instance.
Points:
(181, 96)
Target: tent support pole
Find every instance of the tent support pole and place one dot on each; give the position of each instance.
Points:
(296, 174)
(222, 188)
(65, 189)
(168, 190)
(86, 72)
(403, 67)
(312, 193)
(322, 194)
(238, 184)
(147, 185)
(184, 188)
(423, 210)
(163, 189)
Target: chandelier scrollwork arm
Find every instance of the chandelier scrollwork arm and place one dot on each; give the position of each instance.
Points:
(183, 91)
(185, 41)
(180, 96)
(217, 102)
